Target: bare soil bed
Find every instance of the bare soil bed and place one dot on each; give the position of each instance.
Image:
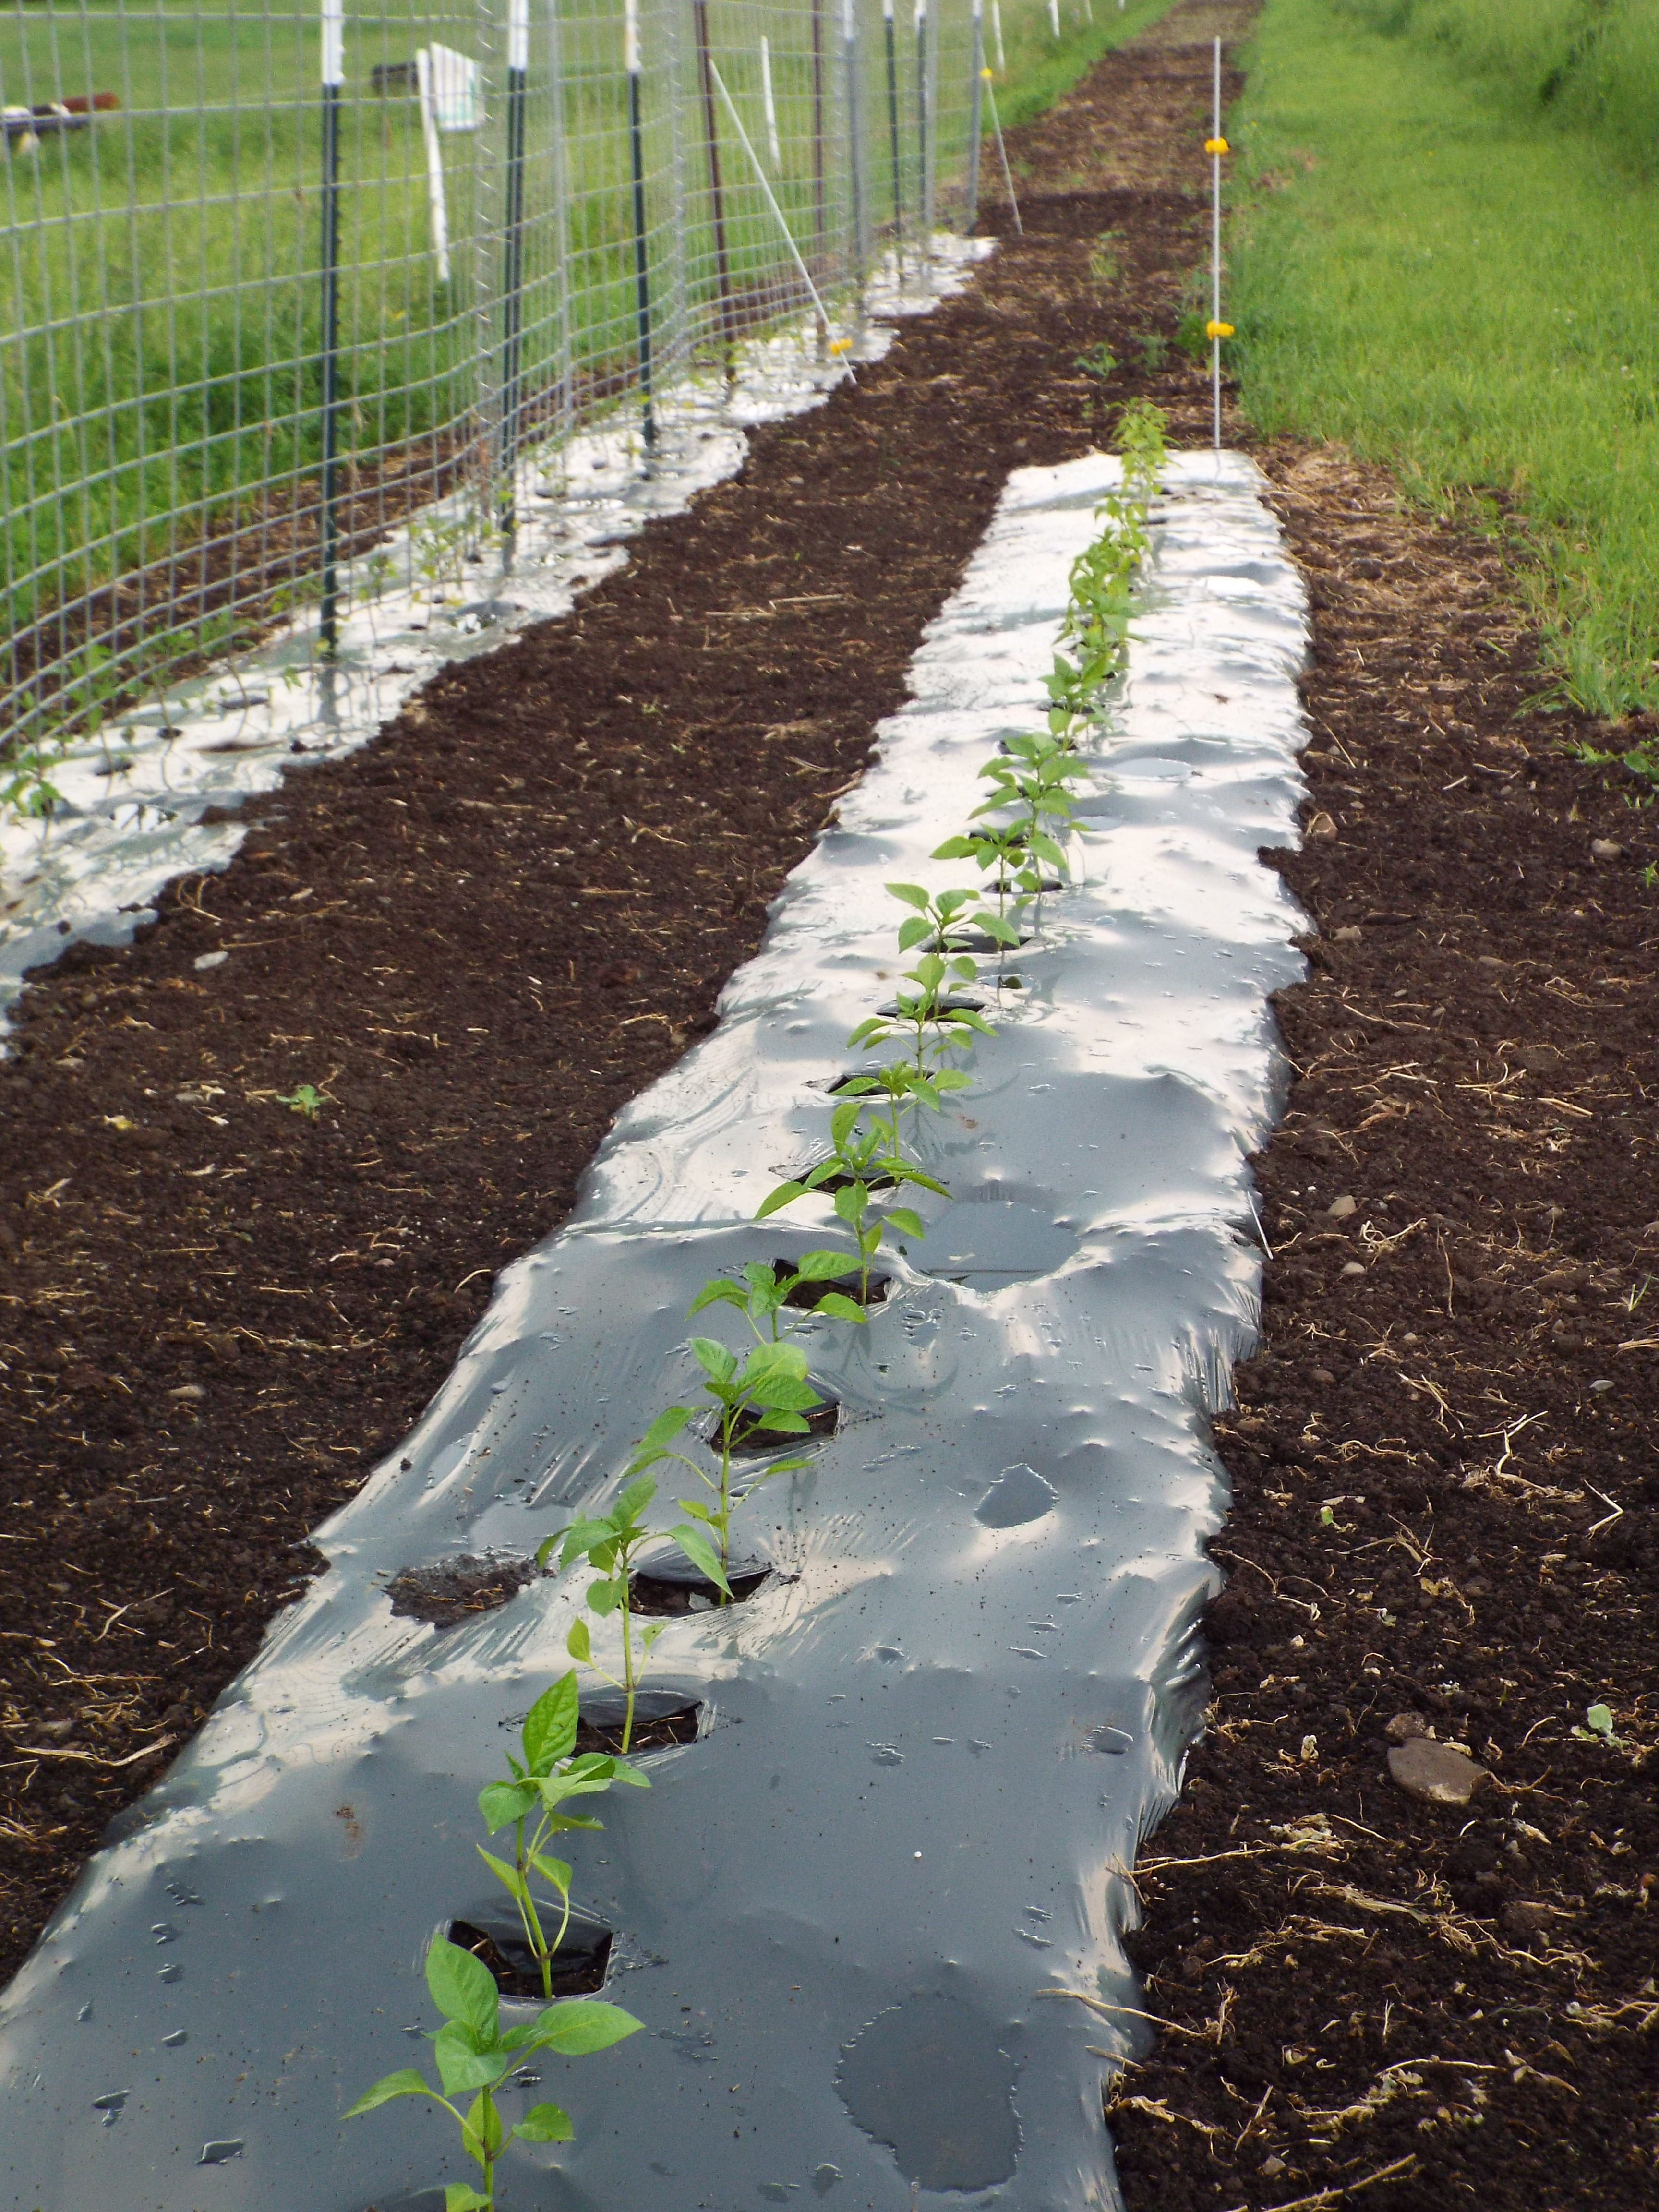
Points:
(1445, 1489)
(482, 935)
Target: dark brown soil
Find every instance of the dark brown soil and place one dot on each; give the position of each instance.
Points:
(477, 939)
(1446, 1511)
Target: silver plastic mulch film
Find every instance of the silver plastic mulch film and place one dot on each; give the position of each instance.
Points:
(858, 1914)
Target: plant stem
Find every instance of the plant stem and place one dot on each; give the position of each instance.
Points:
(628, 1658)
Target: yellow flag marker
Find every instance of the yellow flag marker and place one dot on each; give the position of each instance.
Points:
(1213, 329)
(1217, 146)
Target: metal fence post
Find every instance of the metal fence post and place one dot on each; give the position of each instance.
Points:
(517, 79)
(642, 242)
(333, 74)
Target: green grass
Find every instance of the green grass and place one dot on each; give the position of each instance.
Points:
(1444, 277)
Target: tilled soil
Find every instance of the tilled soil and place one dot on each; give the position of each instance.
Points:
(481, 936)
(473, 942)
(1445, 1489)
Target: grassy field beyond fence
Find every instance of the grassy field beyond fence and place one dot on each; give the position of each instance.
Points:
(1442, 254)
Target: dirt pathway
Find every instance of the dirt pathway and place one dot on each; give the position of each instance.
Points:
(1444, 1491)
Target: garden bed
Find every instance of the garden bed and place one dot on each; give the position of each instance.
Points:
(164, 1546)
(480, 943)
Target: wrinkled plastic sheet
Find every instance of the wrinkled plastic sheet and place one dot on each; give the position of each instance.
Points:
(132, 797)
(933, 1740)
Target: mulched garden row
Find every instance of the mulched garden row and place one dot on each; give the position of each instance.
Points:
(477, 939)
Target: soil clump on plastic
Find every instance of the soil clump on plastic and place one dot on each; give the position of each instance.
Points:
(248, 1214)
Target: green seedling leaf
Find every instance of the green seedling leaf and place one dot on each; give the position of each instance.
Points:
(555, 1870)
(603, 1597)
(716, 1362)
(509, 1877)
(908, 1223)
(721, 1291)
(467, 2060)
(638, 1494)
(462, 1987)
(916, 931)
(839, 1307)
(406, 2082)
(957, 849)
(785, 1194)
(702, 1554)
(549, 1728)
(580, 2025)
(821, 1267)
(460, 2197)
(544, 2124)
(501, 1803)
(1599, 1717)
(576, 1644)
(484, 2124)
(911, 894)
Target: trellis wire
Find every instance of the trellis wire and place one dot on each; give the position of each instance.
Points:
(247, 331)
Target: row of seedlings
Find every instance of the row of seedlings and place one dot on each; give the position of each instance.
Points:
(765, 1392)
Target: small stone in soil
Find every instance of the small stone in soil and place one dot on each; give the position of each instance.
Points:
(1435, 1773)
(1343, 1208)
(1404, 1726)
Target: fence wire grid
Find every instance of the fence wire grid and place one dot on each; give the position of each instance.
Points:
(272, 281)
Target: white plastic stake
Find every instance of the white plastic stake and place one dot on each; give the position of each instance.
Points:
(435, 164)
(773, 145)
(333, 42)
(996, 35)
(518, 35)
(631, 37)
(1054, 19)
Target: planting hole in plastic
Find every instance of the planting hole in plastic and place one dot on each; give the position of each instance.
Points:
(577, 1968)
(662, 1718)
(804, 1296)
(677, 1588)
(751, 1441)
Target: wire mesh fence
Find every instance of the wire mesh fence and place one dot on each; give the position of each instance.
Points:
(272, 280)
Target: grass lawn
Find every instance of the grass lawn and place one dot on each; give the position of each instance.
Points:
(1456, 280)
